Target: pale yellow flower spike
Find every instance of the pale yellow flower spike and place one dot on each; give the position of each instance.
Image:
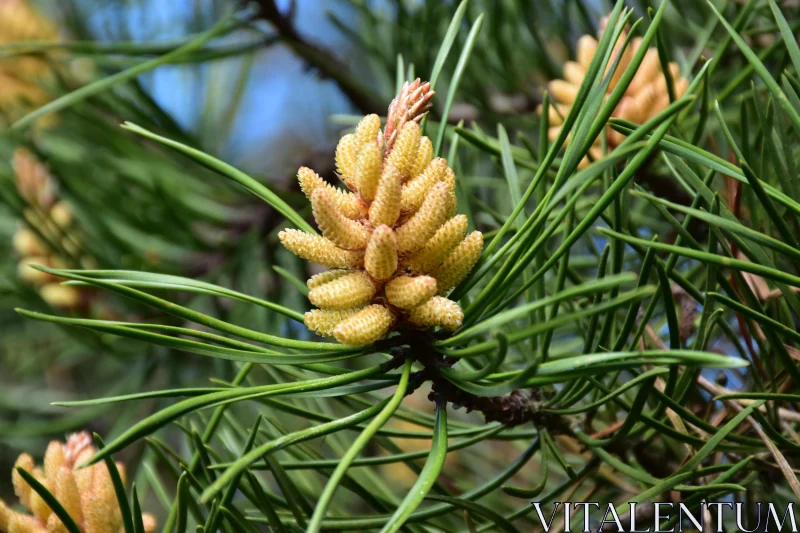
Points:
(38, 506)
(412, 235)
(367, 130)
(424, 156)
(60, 296)
(67, 493)
(368, 172)
(342, 231)
(385, 210)
(381, 257)
(54, 459)
(574, 73)
(21, 487)
(99, 503)
(365, 327)
(319, 249)
(460, 262)
(346, 157)
(415, 190)
(564, 92)
(437, 311)
(348, 203)
(323, 322)
(324, 277)
(352, 290)
(407, 292)
(5, 516)
(404, 153)
(20, 523)
(439, 246)
(86, 494)
(587, 46)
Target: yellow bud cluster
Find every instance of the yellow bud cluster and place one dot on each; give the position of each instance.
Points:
(21, 76)
(87, 494)
(393, 238)
(47, 233)
(646, 96)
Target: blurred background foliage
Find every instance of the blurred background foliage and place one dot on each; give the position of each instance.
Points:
(274, 88)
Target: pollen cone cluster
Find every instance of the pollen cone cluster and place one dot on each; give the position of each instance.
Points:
(21, 76)
(46, 235)
(646, 96)
(87, 494)
(392, 240)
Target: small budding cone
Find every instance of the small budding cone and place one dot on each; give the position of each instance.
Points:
(437, 311)
(381, 257)
(324, 321)
(439, 246)
(318, 249)
(385, 210)
(407, 292)
(368, 172)
(347, 202)
(347, 291)
(460, 262)
(342, 231)
(365, 327)
(416, 189)
(412, 235)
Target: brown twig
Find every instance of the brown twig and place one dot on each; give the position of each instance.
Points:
(323, 60)
(512, 409)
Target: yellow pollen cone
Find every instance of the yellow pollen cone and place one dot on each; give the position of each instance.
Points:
(381, 257)
(563, 91)
(460, 262)
(439, 246)
(67, 493)
(351, 290)
(404, 152)
(318, 249)
(323, 321)
(324, 277)
(407, 292)
(342, 231)
(414, 190)
(346, 157)
(368, 171)
(386, 207)
(367, 130)
(574, 73)
(587, 46)
(424, 156)
(365, 327)
(437, 311)
(412, 235)
(348, 203)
